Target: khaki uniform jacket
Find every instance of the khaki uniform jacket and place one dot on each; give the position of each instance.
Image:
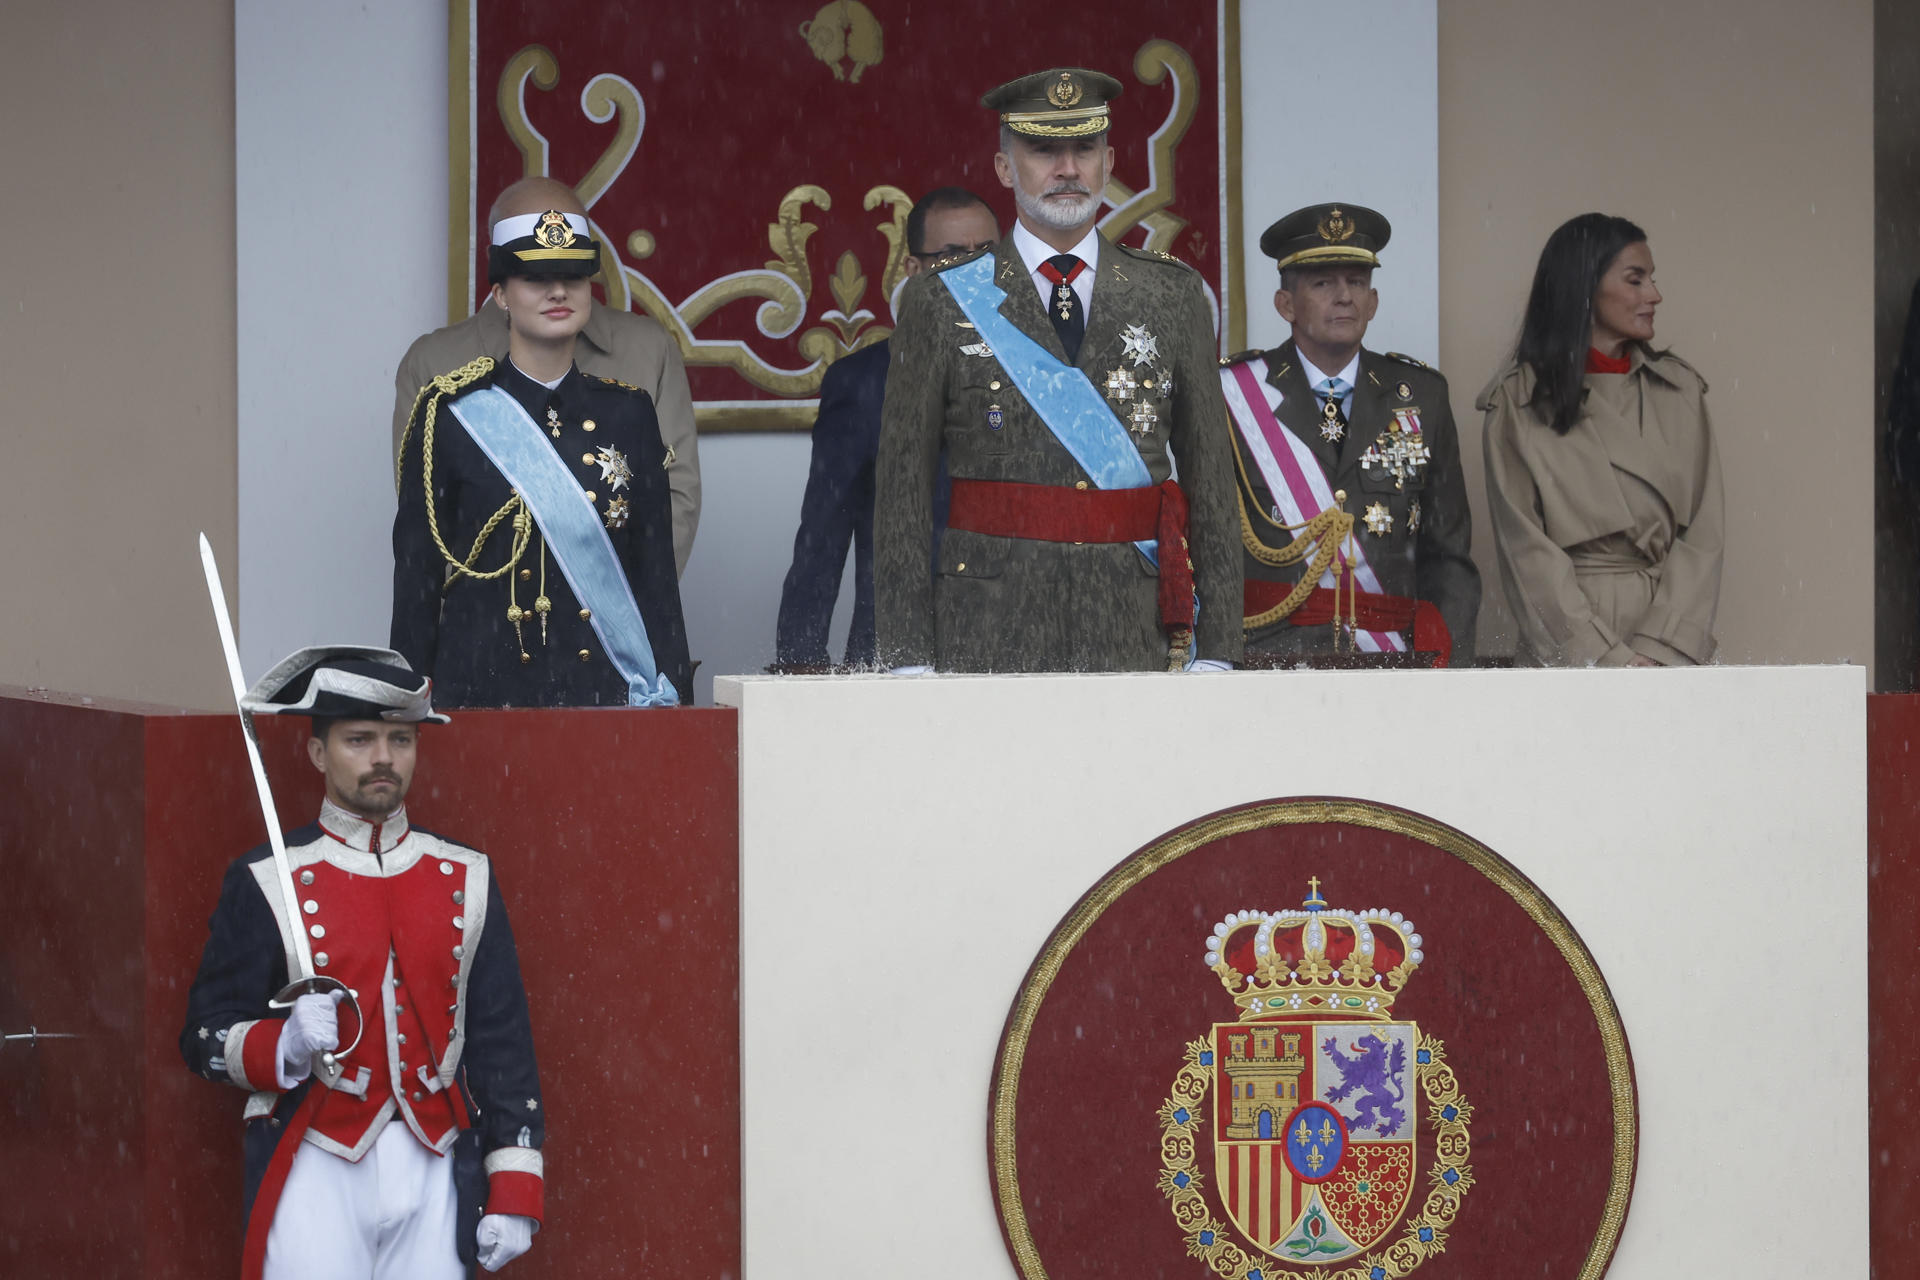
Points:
(1610, 537)
(615, 344)
(1014, 604)
(1425, 551)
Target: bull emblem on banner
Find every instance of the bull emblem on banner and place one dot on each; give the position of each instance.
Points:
(844, 29)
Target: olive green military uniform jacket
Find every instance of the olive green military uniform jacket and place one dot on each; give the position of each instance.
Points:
(1421, 549)
(1610, 537)
(1015, 604)
(615, 344)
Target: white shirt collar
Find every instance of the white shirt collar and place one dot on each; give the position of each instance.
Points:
(1317, 377)
(1034, 251)
(557, 381)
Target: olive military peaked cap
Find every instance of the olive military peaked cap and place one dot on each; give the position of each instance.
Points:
(345, 682)
(1066, 102)
(1325, 235)
(542, 244)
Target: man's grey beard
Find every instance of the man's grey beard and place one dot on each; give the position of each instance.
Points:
(1053, 213)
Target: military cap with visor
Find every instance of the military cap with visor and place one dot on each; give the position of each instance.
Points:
(344, 682)
(1067, 102)
(1327, 235)
(542, 244)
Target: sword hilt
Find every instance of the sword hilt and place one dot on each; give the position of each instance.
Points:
(320, 986)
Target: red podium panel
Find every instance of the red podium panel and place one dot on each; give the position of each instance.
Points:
(1893, 878)
(614, 835)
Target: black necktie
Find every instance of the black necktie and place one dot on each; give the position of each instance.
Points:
(1063, 307)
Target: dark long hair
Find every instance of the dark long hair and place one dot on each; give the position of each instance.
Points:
(1559, 321)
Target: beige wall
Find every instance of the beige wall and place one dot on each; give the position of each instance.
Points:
(116, 344)
(1741, 137)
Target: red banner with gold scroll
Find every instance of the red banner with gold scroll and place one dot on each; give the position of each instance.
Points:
(748, 170)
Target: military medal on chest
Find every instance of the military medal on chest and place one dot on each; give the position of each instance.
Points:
(1139, 346)
(553, 422)
(1401, 451)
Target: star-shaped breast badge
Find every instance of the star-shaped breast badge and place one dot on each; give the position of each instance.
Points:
(533, 1104)
(616, 514)
(1141, 346)
(1143, 418)
(1120, 385)
(614, 470)
(1379, 520)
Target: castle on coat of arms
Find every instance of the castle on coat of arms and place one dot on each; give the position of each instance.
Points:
(1266, 1085)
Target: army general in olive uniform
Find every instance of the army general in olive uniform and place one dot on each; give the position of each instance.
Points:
(1329, 433)
(1068, 547)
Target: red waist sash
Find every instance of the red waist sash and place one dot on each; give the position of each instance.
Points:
(1055, 513)
(1369, 612)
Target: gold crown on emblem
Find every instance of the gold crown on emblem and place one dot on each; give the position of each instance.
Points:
(1314, 960)
(553, 230)
(1336, 227)
(1064, 92)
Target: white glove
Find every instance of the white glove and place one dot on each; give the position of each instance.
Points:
(504, 1237)
(1210, 664)
(312, 1027)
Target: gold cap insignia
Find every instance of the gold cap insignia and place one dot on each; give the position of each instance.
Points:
(1335, 227)
(1064, 92)
(553, 231)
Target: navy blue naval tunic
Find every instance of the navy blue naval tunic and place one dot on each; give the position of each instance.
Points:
(456, 630)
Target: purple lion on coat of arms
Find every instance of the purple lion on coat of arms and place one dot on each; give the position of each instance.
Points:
(1374, 1071)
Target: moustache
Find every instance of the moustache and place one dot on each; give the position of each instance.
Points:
(1067, 189)
(380, 775)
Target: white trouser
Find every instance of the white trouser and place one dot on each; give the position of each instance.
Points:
(388, 1217)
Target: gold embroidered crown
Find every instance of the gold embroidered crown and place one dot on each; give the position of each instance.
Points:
(1315, 960)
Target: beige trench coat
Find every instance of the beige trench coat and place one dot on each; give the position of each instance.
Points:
(1610, 537)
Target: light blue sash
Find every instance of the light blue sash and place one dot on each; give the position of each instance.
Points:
(572, 528)
(1070, 405)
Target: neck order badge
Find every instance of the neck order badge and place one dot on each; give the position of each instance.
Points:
(1313, 1115)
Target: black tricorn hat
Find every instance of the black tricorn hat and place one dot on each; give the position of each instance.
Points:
(1067, 102)
(344, 682)
(542, 244)
(1326, 235)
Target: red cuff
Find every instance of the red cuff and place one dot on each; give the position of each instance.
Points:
(252, 1064)
(524, 1194)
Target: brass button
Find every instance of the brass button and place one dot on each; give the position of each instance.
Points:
(961, 567)
(994, 385)
(587, 425)
(587, 458)
(1079, 484)
(592, 496)
(526, 575)
(586, 615)
(526, 658)
(584, 655)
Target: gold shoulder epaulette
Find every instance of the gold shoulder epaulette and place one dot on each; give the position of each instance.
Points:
(955, 259)
(1153, 255)
(615, 382)
(1403, 358)
(1239, 357)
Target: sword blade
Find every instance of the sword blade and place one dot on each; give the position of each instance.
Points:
(289, 896)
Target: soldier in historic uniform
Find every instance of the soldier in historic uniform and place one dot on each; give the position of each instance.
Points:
(415, 1151)
(533, 546)
(1353, 507)
(1064, 375)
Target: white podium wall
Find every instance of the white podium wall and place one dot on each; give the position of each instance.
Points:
(907, 845)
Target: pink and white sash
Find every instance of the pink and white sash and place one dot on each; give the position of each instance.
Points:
(1294, 478)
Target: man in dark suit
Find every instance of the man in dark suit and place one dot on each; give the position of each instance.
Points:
(1064, 376)
(1347, 457)
(838, 506)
